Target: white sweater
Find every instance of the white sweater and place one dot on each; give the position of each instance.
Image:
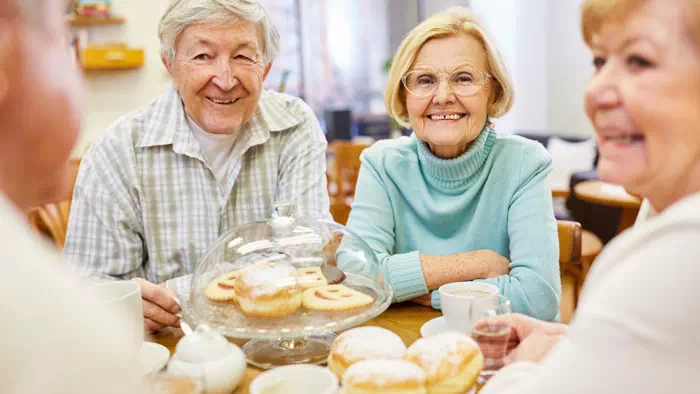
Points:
(637, 327)
(54, 337)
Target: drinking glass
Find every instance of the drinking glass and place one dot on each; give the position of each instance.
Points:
(491, 331)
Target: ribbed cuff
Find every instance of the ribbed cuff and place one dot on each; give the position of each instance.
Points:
(406, 276)
(435, 300)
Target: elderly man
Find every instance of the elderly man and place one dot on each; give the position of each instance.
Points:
(55, 337)
(214, 151)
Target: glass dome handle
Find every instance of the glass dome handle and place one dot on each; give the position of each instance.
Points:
(283, 209)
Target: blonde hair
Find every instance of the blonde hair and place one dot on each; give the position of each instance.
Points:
(457, 20)
(596, 13)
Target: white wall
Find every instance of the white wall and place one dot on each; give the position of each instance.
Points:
(550, 65)
(570, 67)
(110, 95)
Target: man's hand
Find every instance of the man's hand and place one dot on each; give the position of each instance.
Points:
(159, 307)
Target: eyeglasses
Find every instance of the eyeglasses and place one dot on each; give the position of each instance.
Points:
(464, 81)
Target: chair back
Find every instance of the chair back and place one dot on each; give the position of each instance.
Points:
(340, 211)
(51, 219)
(570, 245)
(570, 236)
(346, 167)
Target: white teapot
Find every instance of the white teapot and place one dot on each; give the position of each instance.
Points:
(206, 355)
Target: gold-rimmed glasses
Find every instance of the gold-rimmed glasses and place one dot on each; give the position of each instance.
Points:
(463, 81)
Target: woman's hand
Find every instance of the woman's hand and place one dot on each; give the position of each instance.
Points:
(523, 327)
(424, 300)
(498, 266)
(534, 348)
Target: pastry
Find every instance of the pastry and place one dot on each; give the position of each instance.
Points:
(384, 376)
(335, 298)
(311, 277)
(364, 343)
(451, 361)
(268, 290)
(222, 289)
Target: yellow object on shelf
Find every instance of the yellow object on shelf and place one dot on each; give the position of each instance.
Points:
(94, 20)
(111, 58)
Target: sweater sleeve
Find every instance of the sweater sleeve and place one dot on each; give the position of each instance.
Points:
(635, 330)
(533, 285)
(372, 218)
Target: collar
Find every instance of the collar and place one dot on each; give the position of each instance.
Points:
(453, 173)
(167, 123)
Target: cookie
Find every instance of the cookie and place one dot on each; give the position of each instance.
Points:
(310, 277)
(334, 298)
(221, 289)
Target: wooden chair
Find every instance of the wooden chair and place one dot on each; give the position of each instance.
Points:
(340, 211)
(570, 246)
(51, 219)
(346, 167)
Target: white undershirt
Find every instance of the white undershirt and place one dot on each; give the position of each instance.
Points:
(216, 149)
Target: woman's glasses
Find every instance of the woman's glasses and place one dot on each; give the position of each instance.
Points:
(464, 81)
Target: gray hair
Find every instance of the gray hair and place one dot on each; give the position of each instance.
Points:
(183, 13)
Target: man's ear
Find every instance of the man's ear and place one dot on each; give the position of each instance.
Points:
(267, 70)
(167, 64)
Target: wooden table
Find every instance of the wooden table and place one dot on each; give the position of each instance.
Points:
(403, 319)
(599, 192)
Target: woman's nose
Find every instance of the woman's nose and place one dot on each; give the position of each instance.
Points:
(603, 90)
(443, 94)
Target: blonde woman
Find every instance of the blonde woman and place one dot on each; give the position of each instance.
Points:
(637, 327)
(457, 201)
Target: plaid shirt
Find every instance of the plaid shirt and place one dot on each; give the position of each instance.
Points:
(147, 205)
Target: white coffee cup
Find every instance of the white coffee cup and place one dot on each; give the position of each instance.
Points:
(124, 298)
(455, 300)
(292, 379)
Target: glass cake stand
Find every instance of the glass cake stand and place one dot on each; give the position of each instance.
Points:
(305, 335)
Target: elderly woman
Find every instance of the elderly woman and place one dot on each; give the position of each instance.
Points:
(457, 201)
(214, 151)
(637, 328)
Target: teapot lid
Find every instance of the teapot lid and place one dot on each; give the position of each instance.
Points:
(203, 345)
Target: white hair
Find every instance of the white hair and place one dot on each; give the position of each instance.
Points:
(183, 13)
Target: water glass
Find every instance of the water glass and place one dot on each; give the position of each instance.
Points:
(491, 331)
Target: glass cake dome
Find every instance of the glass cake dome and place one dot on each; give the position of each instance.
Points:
(287, 284)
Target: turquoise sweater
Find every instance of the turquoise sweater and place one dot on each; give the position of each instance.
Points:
(494, 196)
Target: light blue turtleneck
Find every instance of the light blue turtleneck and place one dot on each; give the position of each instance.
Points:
(494, 196)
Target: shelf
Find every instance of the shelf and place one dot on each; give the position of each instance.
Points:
(94, 20)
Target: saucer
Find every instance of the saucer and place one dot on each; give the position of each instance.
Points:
(154, 357)
(434, 327)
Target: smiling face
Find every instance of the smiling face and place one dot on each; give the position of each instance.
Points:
(448, 123)
(643, 100)
(219, 73)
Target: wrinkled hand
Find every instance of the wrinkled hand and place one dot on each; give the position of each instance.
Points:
(499, 266)
(534, 348)
(159, 307)
(525, 326)
(423, 300)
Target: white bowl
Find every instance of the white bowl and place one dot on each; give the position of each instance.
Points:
(307, 379)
